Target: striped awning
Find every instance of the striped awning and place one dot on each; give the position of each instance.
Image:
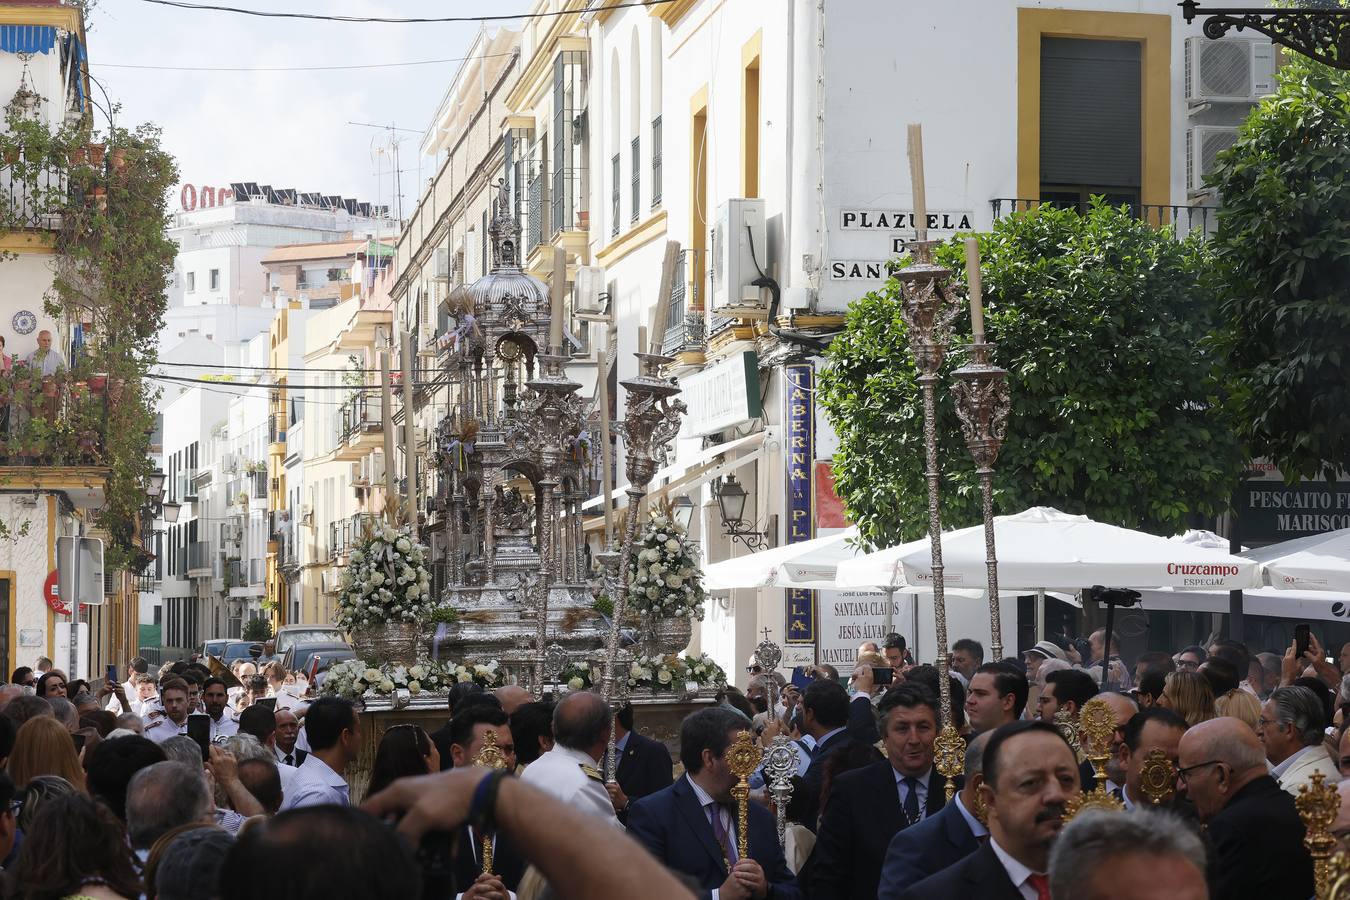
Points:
(27, 38)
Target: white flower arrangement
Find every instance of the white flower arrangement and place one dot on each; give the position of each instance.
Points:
(664, 578)
(386, 581)
(355, 679)
(658, 674)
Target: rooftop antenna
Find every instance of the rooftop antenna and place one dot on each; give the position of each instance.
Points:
(394, 141)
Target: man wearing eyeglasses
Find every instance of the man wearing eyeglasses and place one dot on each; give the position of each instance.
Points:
(1253, 825)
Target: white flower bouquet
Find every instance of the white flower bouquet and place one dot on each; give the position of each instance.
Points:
(354, 678)
(664, 578)
(654, 673)
(386, 581)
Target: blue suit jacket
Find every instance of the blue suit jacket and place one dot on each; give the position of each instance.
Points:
(673, 827)
(924, 849)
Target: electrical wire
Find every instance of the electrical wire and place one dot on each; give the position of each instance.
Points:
(241, 368)
(392, 65)
(388, 20)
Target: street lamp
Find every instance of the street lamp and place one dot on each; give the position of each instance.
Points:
(170, 511)
(154, 483)
(731, 499)
(683, 510)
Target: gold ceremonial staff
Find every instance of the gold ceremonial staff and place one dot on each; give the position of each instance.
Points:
(490, 757)
(742, 758)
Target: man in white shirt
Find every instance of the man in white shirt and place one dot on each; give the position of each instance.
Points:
(571, 770)
(223, 722)
(335, 741)
(173, 721)
(1029, 775)
(135, 668)
(44, 359)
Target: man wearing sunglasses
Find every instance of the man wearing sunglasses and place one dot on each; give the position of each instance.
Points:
(1252, 823)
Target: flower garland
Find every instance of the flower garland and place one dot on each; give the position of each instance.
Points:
(386, 581)
(654, 673)
(664, 578)
(354, 679)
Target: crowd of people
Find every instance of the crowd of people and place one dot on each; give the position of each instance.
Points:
(105, 794)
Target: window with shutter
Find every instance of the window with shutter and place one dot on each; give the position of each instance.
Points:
(1091, 113)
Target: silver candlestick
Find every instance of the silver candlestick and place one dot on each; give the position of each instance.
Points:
(780, 764)
(929, 308)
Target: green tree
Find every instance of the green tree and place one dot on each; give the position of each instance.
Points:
(259, 629)
(1104, 325)
(1283, 249)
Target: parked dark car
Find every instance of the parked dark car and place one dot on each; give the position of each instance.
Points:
(213, 647)
(299, 657)
(248, 651)
(306, 634)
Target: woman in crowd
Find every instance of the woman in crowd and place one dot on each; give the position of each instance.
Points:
(76, 850)
(40, 791)
(404, 750)
(44, 747)
(52, 684)
(1239, 704)
(1189, 695)
(23, 676)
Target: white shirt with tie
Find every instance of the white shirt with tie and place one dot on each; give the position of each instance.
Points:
(712, 808)
(1018, 874)
(316, 784)
(287, 759)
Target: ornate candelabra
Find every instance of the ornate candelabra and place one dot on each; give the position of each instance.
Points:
(1318, 805)
(928, 308)
(982, 405)
(780, 759)
(651, 421)
(1097, 722)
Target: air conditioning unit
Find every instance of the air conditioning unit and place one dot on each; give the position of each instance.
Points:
(1203, 145)
(737, 253)
(1237, 70)
(358, 475)
(590, 292)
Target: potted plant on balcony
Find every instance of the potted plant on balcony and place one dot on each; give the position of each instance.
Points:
(96, 154)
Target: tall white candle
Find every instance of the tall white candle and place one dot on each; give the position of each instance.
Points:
(973, 285)
(558, 286)
(916, 180)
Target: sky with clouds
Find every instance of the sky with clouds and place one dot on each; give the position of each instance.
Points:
(287, 129)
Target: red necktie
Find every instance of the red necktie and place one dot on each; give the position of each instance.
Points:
(1042, 885)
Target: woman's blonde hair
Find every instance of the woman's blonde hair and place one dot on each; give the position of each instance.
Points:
(1190, 696)
(43, 746)
(1239, 704)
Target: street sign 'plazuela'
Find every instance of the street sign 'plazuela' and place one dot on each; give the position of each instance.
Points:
(896, 227)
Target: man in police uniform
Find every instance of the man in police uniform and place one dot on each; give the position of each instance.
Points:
(160, 726)
(571, 770)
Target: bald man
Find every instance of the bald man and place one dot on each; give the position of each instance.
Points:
(571, 770)
(1252, 823)
(512, 697)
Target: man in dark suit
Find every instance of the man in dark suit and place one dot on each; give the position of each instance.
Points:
(1029, 775)
(643, 766)
(1253, 825)
(691, 825)
(466, 735)
(832, 721)
(868, 806)
(941, 840)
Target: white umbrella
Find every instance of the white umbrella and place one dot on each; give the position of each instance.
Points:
(1046, 548)
(1319, 562)
(808, 564)
(1267, 601)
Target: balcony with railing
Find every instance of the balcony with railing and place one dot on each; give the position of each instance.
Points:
(656, 162)
(358, 426)
(56, 420)
(200, 560)
(257, 482)
(569, 190)
(686, 322)
(246, 577)
(1183, 221)
(30, 191)
(344, 534)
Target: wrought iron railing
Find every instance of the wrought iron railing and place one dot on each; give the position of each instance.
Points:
(347, 533)
(685, 318)
(29, 194)
(614, 196)
(1183, 220)
(656, 162)
(360, 414)
(536, 228)
(637, 179)
(53, 420)
(199, 558)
